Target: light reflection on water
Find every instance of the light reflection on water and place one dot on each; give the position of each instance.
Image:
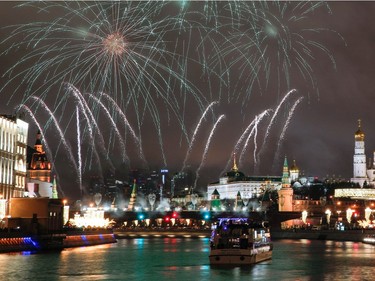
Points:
(187, 259)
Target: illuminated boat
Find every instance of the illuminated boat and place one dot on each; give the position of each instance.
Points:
(239, 241)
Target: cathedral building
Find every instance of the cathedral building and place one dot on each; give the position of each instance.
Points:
(294, 172)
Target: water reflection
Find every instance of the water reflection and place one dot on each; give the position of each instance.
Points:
(187, 259)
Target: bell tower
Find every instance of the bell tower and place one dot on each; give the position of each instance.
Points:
(359, 158)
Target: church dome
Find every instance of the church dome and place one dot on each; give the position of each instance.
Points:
(235, 174)
(294, 166)
(359, 135)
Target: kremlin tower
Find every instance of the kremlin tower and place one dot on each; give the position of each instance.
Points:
(359, 159)
(133, 197)
(286, 192)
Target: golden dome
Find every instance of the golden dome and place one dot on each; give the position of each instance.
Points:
(359, 135)
(294, 166)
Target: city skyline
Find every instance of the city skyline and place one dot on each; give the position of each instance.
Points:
(315, 125)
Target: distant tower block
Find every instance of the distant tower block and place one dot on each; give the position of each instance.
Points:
(359, 159)
(133, 197)
(286, 192)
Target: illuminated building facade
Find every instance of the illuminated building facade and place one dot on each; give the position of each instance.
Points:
(39, 172)
(36, 215)
(13, 147)
(286, 192)
(294, 172)
(39, 165)
(235, 182)
(133, 197)
(359, 158)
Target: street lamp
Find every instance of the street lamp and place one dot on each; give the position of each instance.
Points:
(367, 213)
(328, 213)
(304, 216)
(349, 213)
(3, 205)
(65, 211)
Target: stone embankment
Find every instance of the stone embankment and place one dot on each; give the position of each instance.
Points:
(334, 235)
(161, 232)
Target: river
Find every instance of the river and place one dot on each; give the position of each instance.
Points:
(187, 259)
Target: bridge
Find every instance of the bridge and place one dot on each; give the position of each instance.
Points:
(274, 218)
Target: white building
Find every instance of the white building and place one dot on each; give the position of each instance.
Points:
(294, 172)
(13, 146)
(234, 182)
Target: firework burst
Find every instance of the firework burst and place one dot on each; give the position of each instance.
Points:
(273, 44)
(114, 47)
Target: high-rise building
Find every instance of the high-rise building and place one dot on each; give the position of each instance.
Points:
(182, 182)
(13, 144)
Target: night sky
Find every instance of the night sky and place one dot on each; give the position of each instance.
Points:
(320, 133)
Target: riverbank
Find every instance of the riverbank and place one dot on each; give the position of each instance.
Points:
(157, 233)
(335, 235)
(82, 240)
(18, 243)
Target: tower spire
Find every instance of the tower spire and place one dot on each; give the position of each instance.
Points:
(55, 195)
(234, 163)
(38, 142)
(133, 197)
(285, 193)
(285, 179)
